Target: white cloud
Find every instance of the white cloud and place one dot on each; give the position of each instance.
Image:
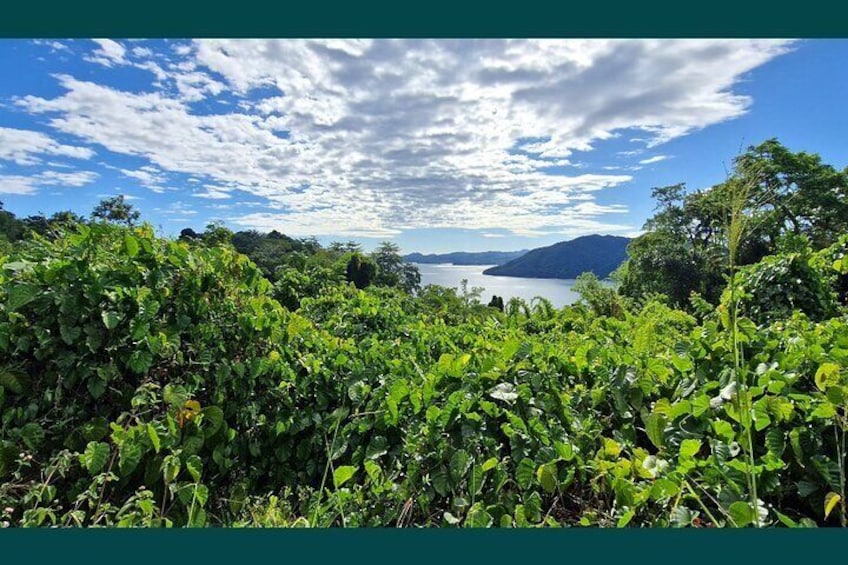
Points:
(359, 138)
(213, 193)
(20, 184)
(24, 146)
(108, 53)
(654, 159)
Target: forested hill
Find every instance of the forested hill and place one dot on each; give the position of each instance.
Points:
(465, 258)
(599, 254)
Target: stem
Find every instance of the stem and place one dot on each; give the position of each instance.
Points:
(701, 503)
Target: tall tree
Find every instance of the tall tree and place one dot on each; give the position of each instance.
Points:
(116, 210)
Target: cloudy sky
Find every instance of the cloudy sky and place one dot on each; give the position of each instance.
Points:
(438, 145)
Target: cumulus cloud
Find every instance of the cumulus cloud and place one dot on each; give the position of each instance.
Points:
(23, 147)
(373, 137)
(108, 53)
(20, 184)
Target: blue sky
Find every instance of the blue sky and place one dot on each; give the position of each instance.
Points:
(438, 145)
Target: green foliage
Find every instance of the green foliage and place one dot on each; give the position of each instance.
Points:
(153, 383)
(360, 270)
(117, 210)
(780, 285)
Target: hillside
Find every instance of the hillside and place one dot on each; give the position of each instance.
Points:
(599, 254)
(465, 258)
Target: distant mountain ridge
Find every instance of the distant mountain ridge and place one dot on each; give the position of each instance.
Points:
(599, 254)
(466, 258)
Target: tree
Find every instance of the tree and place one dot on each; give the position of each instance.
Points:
(361, 270)
(188, 234)
(393, 271)
(116, 210)
(11, 228)
(216, 233)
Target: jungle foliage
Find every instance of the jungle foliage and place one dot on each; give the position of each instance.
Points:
(147, 381)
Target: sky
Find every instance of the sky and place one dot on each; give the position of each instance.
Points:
(436, 145)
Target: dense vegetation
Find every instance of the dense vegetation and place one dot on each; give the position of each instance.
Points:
(154, 382)
(596, 254)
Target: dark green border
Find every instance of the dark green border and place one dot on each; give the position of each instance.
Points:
(404, 547)
(431, 18)
(436, 18)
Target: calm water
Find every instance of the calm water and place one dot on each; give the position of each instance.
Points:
(558, 291)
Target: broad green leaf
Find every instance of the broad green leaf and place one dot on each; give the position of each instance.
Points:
(195, 467)
(690, 447)
(831, 499)
(129, 456)
(625, 518)
(213, 420)
(505, 392)
(201, 494)
(343, 474)
(533, 507)
(827, 375)
(546, 475)
(32, 435)
(478, 517)
(459, 464)
(20, 295)
(655, 428)
(95, 430)
(154, 438)
(95, 456)
(741, 513)
(441, 482)
(110, 319)
(13, 380)
(377, 447)
(489, 464)
(131, 245)
(525, 472)
(825, 410)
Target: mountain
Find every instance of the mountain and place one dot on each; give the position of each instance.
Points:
(463, 258)
(600, 254)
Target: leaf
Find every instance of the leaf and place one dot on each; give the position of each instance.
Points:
(689, 447)
(128, 457)
(478, 517)
(213, 420)
(625, 518)
(459, 464)
(827, 375)
(195, 467)
(110, 319)
(343, 474)
(441, 483)
(505, 392)
(377, 447)
(131, 245)
(682, 517)
(546, 475)
(32, 435)
(20, 295)
(489, 464)
(776, 441)
(741, 513)
(830, 502)
(154, 437)
(525, 472)
(94, 457)
(201, 493)
(13, 380)
(655, 427)
(95, 430)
